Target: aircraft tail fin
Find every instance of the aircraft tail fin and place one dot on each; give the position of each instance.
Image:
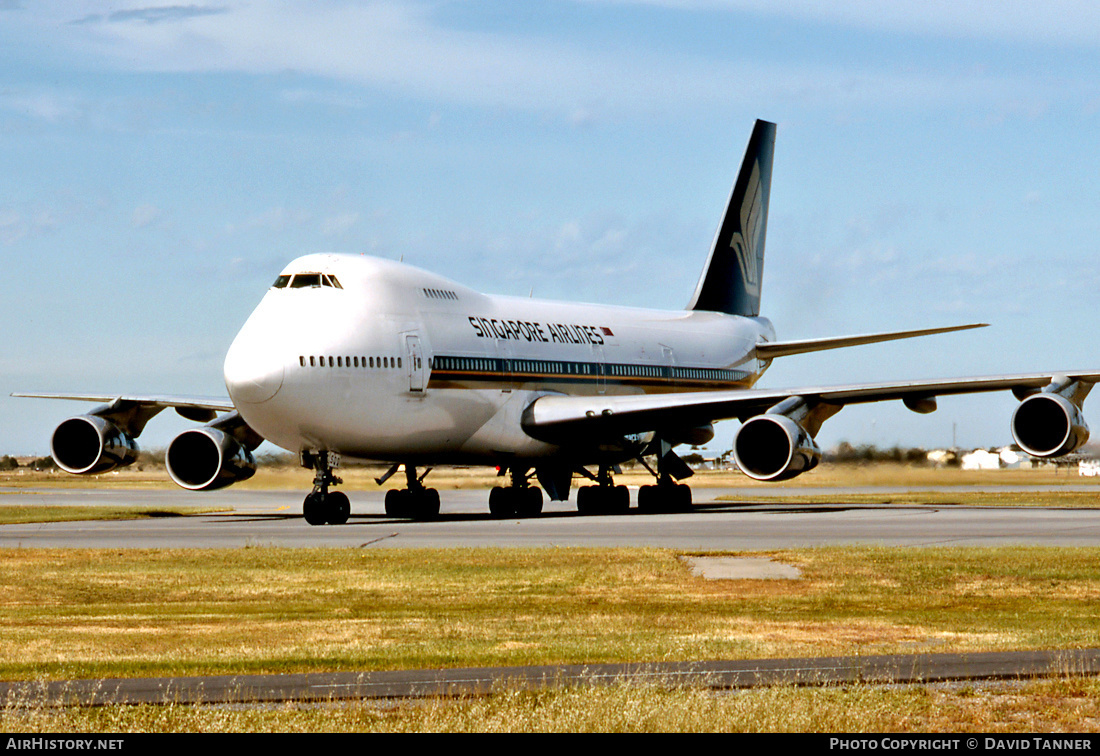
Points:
(731, 279)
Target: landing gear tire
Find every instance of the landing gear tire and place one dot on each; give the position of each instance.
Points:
(414, 505)
(425, 504)
(664, 498)
(515, 502)
(397, 503)
(339, 508)
(314, 509)
(529, 501)
(603, 500)
(501, 502)
(326, 509)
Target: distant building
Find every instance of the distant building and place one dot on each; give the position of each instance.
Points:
(943, 457)
(980, 459)
(1088, 468)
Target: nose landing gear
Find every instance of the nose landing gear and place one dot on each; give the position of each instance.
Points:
(324, 507)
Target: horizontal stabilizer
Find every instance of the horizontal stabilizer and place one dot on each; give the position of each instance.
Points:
(768, 351)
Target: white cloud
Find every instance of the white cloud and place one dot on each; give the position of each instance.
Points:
(273, 219)
(403, 47)
(335, 225)
(42, 105)
(144, 215)
(17, 225)
(1050, 22)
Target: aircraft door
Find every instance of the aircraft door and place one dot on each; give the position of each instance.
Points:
(669, 361)
(415, 361)
(600, 367)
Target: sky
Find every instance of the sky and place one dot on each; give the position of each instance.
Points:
(936, 163)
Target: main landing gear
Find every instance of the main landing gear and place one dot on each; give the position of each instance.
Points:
(414, 501)
(520, 499)
(324, 507)
(664, 497)
(604, 497)
(667, 495)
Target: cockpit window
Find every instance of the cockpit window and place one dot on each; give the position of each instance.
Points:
(305, 280)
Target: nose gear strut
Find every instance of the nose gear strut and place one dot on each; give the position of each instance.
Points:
(322, 506)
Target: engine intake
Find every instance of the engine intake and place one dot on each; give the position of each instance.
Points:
(89, 445)
(774, 447)
(1049, 425)
(205, 459)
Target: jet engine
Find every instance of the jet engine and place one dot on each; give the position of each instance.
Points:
(774, 447)
(89, 445)
(1049, 425)
(205, 459)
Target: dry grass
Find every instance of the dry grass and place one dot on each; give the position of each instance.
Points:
(1060, 705)
(86, 613)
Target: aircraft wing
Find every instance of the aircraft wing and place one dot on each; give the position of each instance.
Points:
(163, 401)
(564, 419)
(132, 411)
(771, 350)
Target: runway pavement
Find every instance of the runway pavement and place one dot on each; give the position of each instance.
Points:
(748, 522)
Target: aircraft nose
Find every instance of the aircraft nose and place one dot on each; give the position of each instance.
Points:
(253, 369)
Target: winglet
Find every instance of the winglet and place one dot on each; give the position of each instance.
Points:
(730, 282)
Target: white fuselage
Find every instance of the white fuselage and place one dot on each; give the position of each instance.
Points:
(388, 362)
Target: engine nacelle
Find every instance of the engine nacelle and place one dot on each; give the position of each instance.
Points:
(774, 447)
(205, 459)
(1049, 425)
(89, 445)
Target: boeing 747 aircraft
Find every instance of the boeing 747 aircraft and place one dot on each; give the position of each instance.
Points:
(364, 358)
